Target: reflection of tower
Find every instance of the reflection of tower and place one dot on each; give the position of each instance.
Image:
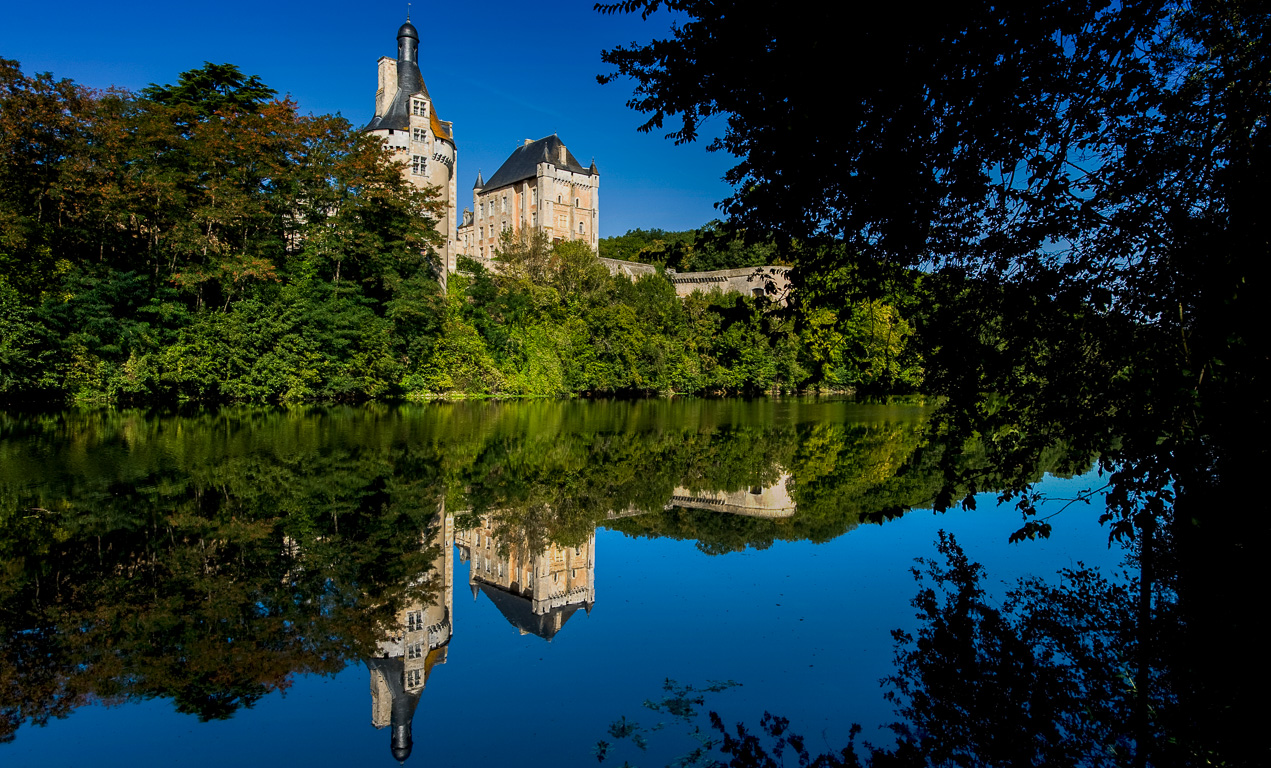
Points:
(416, 643)
(536, 593)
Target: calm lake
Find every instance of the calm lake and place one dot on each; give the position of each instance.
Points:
(472, 583)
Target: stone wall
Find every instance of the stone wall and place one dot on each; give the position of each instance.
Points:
(772, 281)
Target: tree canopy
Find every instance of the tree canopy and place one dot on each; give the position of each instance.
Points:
(213, 88)
(1084, 178)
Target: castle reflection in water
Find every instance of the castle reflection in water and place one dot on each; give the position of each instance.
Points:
(537, 590)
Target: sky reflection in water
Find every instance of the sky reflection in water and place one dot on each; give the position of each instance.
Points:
(803, 626)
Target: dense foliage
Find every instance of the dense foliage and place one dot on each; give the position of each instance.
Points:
(198, 242)
(553, 321)
(1087, 175)
(203, 242)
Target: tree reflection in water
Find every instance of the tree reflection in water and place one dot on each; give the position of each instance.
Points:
(208, 558)
(1046, 677)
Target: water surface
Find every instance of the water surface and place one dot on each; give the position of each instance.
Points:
(457, 583)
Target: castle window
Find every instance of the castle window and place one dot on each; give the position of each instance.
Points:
(417, 134)
(414, 621)
(578, 201)
(533, 219)
(558, 198)
(414, 678)
(580, 227)
(505, 204)
(415, 651)
(418, 108)
(534, 196)
(417, 165)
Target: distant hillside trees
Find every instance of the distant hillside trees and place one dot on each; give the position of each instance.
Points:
(703, 249)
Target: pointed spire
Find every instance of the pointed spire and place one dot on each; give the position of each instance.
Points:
(592, 170)
(480, 181)
(475, 590)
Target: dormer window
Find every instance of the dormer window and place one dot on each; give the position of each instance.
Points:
(418, 107)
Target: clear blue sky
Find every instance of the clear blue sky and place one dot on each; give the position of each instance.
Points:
(501, 71)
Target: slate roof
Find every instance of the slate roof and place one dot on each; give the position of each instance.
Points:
(403, 703)
(410, 82)
(523, 162)
(520, 614)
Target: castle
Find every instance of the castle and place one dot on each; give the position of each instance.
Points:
(541, 186)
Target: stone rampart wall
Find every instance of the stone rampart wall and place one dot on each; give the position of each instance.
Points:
(772, 281)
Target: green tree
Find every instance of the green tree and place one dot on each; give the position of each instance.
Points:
(127, 222)
(1087, 175)
(213, 89)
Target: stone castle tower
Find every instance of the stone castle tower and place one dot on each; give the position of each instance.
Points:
(407, 122)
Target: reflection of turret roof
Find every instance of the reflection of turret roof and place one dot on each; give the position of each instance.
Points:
(403, 703)
(523, 162)
(520, 614)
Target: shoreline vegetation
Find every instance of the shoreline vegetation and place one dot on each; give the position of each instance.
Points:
(206, 242)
